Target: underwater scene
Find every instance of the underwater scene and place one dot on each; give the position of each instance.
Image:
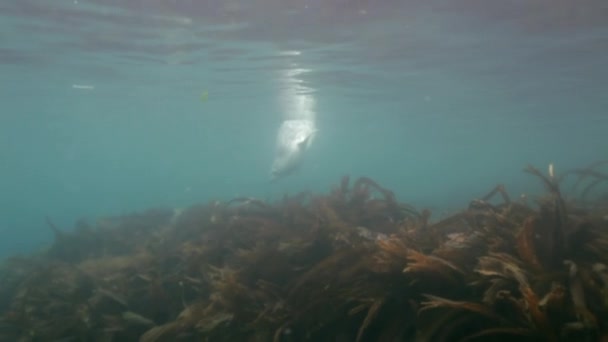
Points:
(303, 170)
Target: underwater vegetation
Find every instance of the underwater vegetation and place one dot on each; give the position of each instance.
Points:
(351, 265)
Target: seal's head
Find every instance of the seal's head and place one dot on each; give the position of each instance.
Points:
(286, 165)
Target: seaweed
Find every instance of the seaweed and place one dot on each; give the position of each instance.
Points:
(354, 264)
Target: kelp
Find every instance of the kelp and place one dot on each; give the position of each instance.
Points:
(351, 265)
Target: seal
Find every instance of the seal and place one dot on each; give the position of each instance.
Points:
(294, 138)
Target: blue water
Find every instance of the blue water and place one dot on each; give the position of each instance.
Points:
(110, 107)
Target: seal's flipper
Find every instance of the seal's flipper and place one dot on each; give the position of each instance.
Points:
(304, 144)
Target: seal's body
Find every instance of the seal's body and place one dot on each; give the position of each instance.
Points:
(293, 139)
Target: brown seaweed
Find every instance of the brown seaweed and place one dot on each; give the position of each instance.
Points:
(351, 265)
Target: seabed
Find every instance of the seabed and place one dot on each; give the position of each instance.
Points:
(351, 265)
